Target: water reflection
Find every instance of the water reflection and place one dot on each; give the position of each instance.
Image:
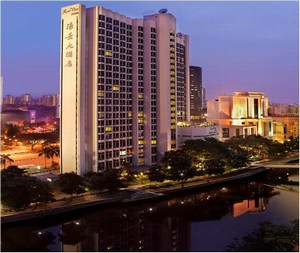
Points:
(163, 226)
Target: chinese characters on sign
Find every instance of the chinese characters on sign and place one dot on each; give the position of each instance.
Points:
(69, 47)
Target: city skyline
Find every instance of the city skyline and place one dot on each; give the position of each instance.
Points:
(239, 45)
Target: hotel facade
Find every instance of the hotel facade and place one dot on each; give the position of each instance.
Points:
(124, 86)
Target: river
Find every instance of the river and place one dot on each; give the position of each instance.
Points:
(206, 220)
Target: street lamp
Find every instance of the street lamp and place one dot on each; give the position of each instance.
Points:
(181, 174)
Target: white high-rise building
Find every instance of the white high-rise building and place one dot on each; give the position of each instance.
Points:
(124, 85)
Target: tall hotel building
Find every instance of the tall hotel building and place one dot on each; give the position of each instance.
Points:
(124, 86)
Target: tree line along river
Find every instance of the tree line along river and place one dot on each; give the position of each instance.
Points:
(204, 220)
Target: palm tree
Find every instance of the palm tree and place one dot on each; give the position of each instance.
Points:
(47, 153)
(54, 152)
(4, 159)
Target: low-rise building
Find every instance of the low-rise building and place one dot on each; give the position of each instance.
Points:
(197, 131)
(243, 113)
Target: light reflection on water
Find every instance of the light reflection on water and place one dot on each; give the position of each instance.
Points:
(200, 221)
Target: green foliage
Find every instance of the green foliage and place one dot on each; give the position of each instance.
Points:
(200, 151)
(214, 166)
(111, 180)
(126, 174)
(156, 174)
(34, 138)
(16, 194)
(178, 166)
(49, 152)
(70, 183)
(256, 147)
(108, 179)
(18, 191)
(95, 180)
(269, 237)
(292, 144)
(11, 172)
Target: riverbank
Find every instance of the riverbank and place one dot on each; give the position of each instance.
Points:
(65, 205)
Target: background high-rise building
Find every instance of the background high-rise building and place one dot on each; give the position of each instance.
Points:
(197, 94)
(124, 86)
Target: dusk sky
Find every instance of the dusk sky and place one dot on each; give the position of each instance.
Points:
(241, 46)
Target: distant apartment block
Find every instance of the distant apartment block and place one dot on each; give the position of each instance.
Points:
(241, 114)
(124, 86)
(27, 99)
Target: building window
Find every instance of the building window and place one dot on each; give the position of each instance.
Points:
(225, 132)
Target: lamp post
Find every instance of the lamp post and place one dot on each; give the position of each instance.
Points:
(181, 174)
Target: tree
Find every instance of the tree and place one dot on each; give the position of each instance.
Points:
(178, 166)
(11, 172)
(201, 150)
(95, 180)
(54, 152)
(34, 138)
(4, 159)
(41, 191)
(269, 237)
(70, 183)
(156, 174)
(126, 174)
(15, 193)
(111, 180)
(12, 130)
(47, 152)
(19, 190)
(214, 166)
(238, 160)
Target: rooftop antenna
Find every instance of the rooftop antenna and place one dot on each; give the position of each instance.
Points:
(164, 10)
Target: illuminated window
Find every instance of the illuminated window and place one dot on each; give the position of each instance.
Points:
(141, 151)
(141, 160)
(140, 95)
(108, 129)
(100, 94)
(108, 53)
(140, 121)
(123, 152)
(115, 87)
(140, 142)
(140, 114)
(173, 102)
(129, 114)
(153, 142)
